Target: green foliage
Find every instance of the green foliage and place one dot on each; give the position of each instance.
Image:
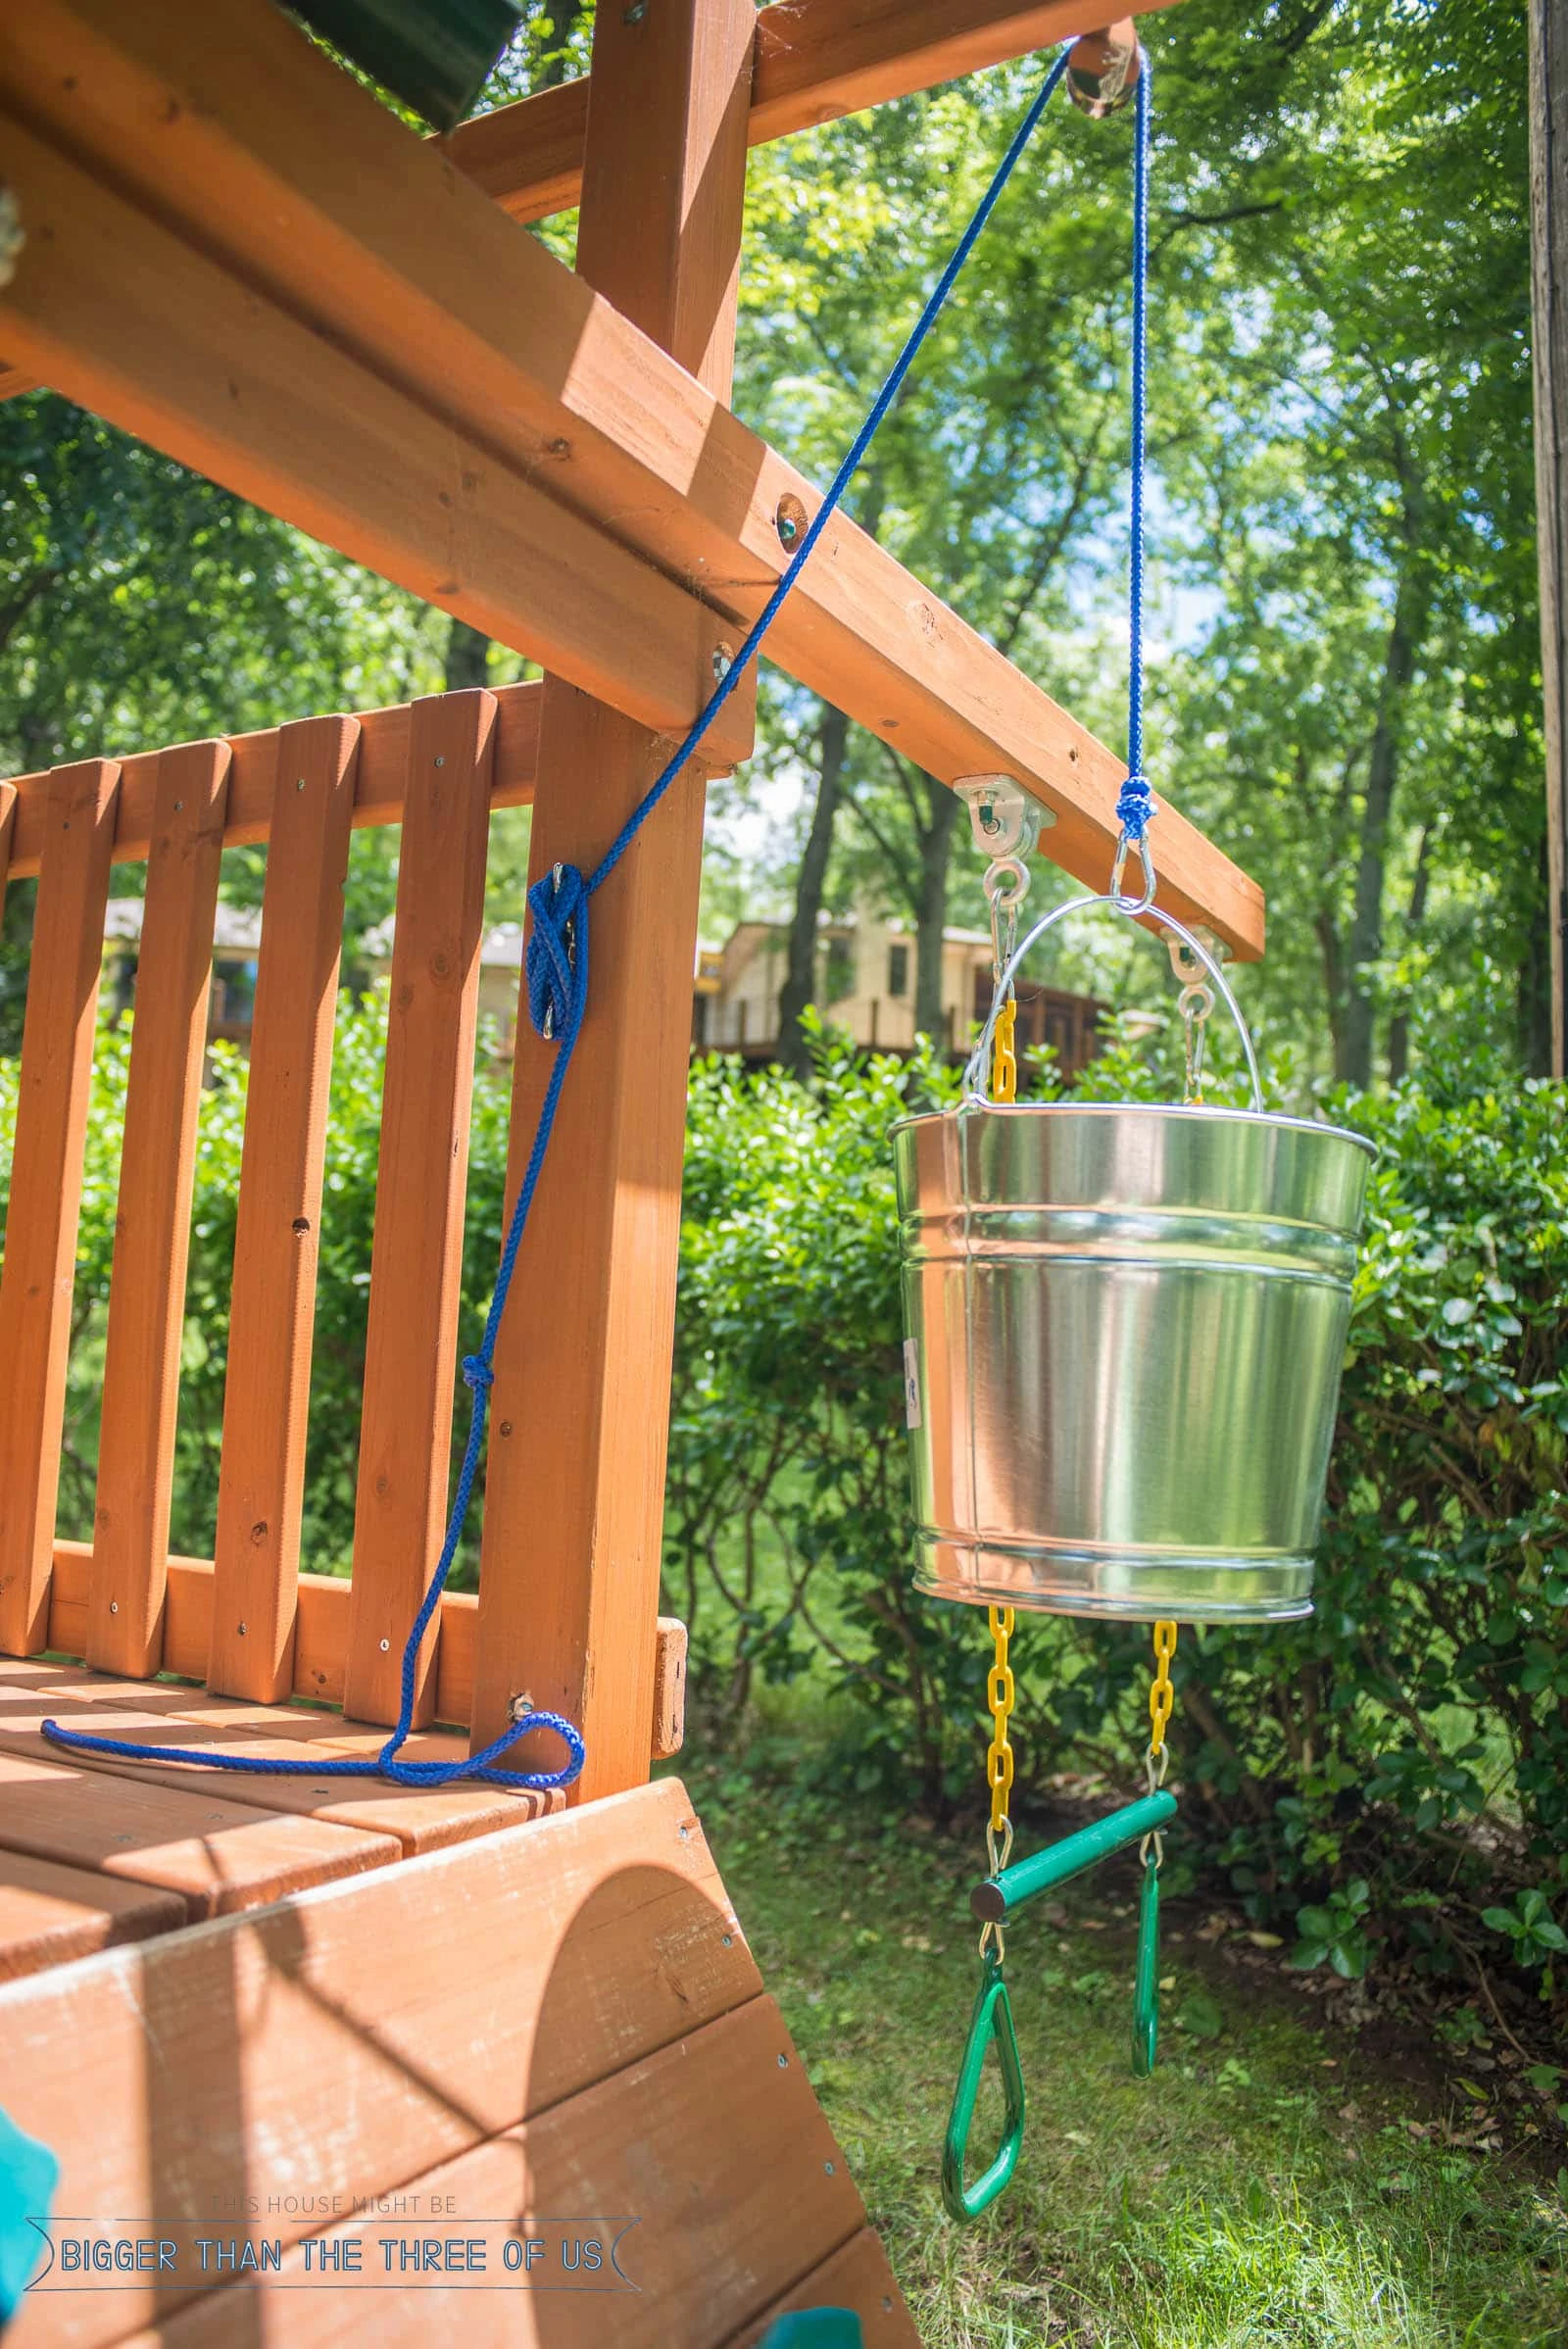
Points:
(1529, 1924)
(1335, 1930)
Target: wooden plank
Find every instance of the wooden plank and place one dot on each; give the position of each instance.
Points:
(40, 1239)
(815, 60)
(856, 2277)
(1548, 243)
(260, 1480)
(722, 2214)
(378, 779)
(410, 1346)
(129, 319)
(313, 191)
(10, 801)
(320, 1645)
(152, 1222)
(580, 1411)
(361, 2035)
(217, 1854)
(50, 1914)
(13, 383)
(421, 1819)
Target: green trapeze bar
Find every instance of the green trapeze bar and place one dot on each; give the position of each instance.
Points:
(998, 1895)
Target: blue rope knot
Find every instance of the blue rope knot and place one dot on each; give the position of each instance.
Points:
(1134, 807)
(478, 1373)
(557, 959)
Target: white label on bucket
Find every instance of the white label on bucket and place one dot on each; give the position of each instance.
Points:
(911, 1385)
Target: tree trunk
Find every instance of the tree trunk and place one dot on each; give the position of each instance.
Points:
(1548, 213)
(799, 977)
(1365, 945)
(1399, 1025)
(931, 914)
(468, 657)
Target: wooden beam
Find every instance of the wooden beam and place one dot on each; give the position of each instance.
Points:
(1548, 215)
(134, 323)
(574, 1517)
(814, 61)
(378, 780)
(302, 187)
(321, 1635)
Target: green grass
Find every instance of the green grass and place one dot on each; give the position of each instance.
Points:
(1263, 2191)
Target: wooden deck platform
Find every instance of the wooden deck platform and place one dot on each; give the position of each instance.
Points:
(95, 1851)
(319, 2014)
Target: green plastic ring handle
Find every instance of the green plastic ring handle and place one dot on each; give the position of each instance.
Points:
(992, 2020)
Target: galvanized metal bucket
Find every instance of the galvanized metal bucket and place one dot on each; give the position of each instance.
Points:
(1125, 1328)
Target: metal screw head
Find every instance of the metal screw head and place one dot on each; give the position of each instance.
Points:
(242, 1631)
(178, 807)
(635, 14)
(386, 1647)
(440, 763)
(723, 663)
(789, 519)
(113, 1606)
(828, 2166)
(299, 782)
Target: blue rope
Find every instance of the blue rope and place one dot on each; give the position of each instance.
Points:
(557, 979)
(1135, 804)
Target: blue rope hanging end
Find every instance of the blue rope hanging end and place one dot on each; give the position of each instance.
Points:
(557, 977)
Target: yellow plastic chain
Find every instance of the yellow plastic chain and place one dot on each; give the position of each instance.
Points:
(1000, 1695)
(1162, 1695)
(1004, 1067)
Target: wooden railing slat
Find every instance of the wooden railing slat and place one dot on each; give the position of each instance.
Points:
(40, 1239)
(152, 1224)
(262, 1475)
(416, 1256)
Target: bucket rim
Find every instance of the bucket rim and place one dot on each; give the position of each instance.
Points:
(1197, 1111)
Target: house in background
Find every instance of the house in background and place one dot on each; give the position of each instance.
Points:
(865, 985)
(236, 944)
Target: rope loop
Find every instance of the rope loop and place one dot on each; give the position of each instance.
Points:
(557, 958)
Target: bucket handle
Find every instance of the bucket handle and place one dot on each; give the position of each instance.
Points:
(979, 1062)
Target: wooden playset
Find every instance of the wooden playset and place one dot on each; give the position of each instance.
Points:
(259, 2009)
